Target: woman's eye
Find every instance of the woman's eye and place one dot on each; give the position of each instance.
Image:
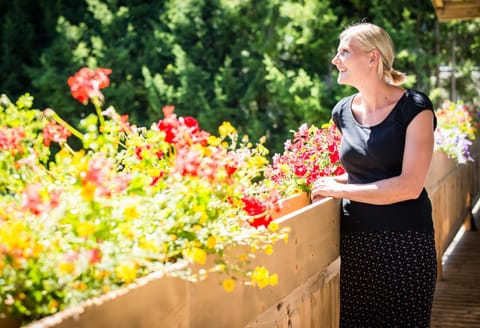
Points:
(343, 51)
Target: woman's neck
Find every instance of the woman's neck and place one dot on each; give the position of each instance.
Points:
(379, 95)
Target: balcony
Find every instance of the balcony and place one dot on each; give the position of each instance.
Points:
(307, 294)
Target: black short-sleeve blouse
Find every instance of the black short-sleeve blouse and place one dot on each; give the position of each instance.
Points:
(372, 153)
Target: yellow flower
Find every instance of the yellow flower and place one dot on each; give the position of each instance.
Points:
(81, 286)
(214, 141)
(199, 255)
(149, 244)
(86, 229)
(211, 242)
(131, 212)
(36, 250)
(11, 237)
(229, 285)
(53, 305)
(66, 267)
(226, 129)
(327, 125)
(243, 258)
(88, 191)
(206, 151)
(126, 229)
(258, 161)
(273, 280)
(101, 274)
(126, 271)
(195, 254)
(269, 249)
(273, 226)
(204, 217)
(260, 277)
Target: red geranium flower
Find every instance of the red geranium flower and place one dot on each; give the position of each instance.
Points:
(310, 154)
(54, 132)
(181, 130)
(258, 212)
(86, 83)
(94, 255)
(11, 139)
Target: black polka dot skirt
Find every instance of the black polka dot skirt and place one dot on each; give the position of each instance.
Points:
(387, 279)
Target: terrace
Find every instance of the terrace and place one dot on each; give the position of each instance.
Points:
(307, 294)
(308, 266)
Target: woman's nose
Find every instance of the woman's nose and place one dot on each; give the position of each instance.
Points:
(335, 59)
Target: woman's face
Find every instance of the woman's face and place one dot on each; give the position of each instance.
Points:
(352, 62)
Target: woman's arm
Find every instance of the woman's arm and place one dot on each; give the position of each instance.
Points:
(341, 178)
(417, 156)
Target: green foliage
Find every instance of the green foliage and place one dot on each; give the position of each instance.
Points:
(262, 65)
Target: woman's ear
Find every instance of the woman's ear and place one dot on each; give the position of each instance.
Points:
(374, 56)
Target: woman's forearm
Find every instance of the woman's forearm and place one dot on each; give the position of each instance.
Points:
(381, 192)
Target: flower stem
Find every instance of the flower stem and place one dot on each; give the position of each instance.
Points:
(100, 116)
(97, 102)
(50, 113)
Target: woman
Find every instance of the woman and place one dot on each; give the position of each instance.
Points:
(388, 268)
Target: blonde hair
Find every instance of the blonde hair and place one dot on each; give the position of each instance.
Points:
(371, 37)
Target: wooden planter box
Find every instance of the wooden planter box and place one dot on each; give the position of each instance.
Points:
(307, 294)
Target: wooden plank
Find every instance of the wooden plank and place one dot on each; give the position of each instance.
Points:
(457, 10)
(457, 297)
(313, 246)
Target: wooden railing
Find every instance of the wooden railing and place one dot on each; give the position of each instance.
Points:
(452, 188)
(307, 294)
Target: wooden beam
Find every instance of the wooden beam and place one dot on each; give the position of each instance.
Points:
(438, 3)
(456, 10)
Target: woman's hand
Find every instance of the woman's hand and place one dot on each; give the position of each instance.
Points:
(325, 187)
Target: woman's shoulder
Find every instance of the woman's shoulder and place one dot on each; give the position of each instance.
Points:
(419, 99)
(341, 110)
(343, 104)
(416, 102)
